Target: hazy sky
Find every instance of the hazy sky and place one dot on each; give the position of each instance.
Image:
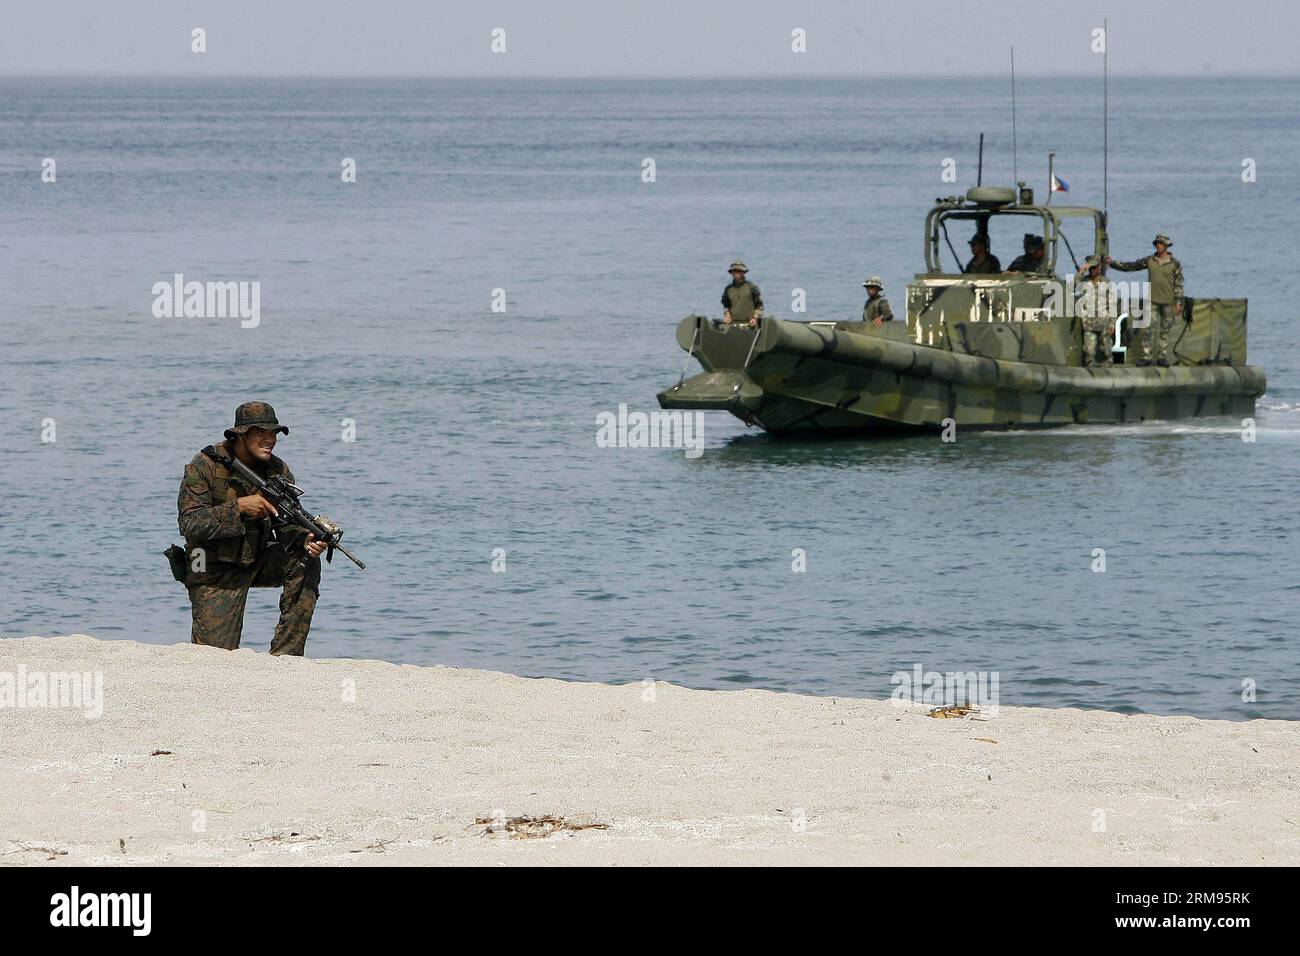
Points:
(634, 38)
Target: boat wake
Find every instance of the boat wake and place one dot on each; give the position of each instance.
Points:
(1285, 425)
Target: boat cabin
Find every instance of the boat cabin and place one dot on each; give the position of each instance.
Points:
(1070, 233)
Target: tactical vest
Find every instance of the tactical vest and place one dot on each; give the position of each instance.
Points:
(224, 488)
(878, 306)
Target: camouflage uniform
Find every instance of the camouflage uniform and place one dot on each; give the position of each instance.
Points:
(1028, 262)
(227, 553)
(742, 299)
(1094, 306)
(877, 306)
(1166, 280)
(990, 266)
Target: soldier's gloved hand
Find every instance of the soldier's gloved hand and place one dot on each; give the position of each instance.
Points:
(313, 547)
(255, 506)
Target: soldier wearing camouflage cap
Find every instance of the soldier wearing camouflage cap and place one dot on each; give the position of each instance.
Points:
(741, 300)
(1095, 306)
(1032, 260)
(877, 308)
(1165, 276)
(230, 545)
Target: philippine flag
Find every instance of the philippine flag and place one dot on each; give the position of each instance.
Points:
(1059, 185)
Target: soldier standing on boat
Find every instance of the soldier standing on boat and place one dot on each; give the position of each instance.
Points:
(1032, 260)
(1165, 275)
(876, 309)
(741, 300)
(982, 262)
(1094, 306)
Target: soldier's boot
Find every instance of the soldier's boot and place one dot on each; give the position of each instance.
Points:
(1144, 355)
(297, 604)
(217, 614)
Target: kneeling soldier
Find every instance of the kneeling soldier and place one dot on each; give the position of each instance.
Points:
(876, 309)
(231, 546)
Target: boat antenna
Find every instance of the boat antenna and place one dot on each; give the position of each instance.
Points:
(1015, 175)
(979, 176)
(1105, 117)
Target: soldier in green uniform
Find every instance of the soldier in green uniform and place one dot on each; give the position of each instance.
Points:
(1165, 274)
(230, 545)
(1032, 260)
(982, 262)
(1094, 306)
(876, 309)
(741, 300)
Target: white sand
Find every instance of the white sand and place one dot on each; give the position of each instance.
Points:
(270, 765)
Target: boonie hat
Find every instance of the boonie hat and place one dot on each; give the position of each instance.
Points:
(255, 415)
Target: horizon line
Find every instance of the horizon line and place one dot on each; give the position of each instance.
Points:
(741, 77)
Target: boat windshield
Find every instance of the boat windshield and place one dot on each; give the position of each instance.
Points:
(1068, 239)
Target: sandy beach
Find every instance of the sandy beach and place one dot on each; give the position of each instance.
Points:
(202, 756)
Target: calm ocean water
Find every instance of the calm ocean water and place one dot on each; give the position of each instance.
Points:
(476, 430)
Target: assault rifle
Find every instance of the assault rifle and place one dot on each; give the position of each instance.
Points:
(284, 496)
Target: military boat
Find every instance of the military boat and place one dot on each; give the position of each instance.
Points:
(995, 351)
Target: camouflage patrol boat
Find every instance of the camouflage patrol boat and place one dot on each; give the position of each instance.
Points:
(991, 351)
